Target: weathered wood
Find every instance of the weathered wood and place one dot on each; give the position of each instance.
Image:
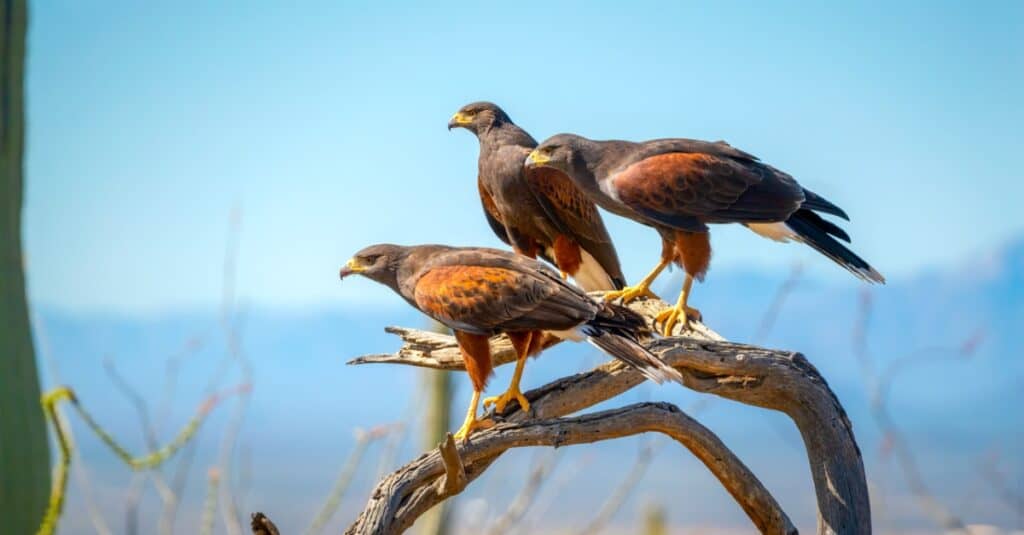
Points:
(778, 380)
(407, 493)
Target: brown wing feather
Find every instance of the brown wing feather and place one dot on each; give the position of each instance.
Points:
(685, 190)
(575, 215)
(489, 299)
(492, 214)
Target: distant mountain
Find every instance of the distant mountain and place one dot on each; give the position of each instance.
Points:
(954, 404)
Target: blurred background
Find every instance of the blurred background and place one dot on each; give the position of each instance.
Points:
(196, 173)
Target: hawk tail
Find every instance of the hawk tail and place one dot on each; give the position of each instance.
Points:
(811, 229)
(614, 332)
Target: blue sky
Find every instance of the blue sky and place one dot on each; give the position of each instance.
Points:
(326, 126)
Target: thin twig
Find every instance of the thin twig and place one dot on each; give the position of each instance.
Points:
(78, 465)
(210, 504)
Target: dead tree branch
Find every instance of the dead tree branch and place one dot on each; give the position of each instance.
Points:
(778, 380)
(406, 494)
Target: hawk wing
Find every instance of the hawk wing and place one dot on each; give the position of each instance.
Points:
(574, 215)
(684, 190)
(492, 214)
(498, 294)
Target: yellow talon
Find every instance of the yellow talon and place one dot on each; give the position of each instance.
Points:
(501, 401)
(629, 293)
(642, 288)
(472, 423)
(513, 392)
(671, 315)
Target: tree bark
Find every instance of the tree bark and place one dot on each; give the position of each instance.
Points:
(409, 492)
(24, 450)
(778, 380)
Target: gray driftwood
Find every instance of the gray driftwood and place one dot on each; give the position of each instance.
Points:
(780, 380)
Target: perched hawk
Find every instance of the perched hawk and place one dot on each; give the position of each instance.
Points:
(538, 212)
(679, 186)
(482, 292)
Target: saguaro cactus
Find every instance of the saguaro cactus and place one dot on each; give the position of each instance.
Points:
(24, 451)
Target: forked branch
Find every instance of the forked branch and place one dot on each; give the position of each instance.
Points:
(778, 380)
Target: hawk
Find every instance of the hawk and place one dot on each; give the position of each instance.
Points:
(679, 186)
(539, 212)
(479, 292)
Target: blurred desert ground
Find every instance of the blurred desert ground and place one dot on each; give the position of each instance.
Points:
(162, 139)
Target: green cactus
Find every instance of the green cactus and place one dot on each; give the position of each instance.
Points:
(24, 450)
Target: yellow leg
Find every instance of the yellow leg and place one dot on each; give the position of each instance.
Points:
(671, 315)
(513, 391)
(471, 422)
(630, 293)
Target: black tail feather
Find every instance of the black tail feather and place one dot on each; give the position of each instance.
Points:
(614, 331)
(808, 226)
(813, 201)
(824, 224)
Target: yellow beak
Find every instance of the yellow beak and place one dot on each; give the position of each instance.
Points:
(536, 159)
(350, 268)
(459, 119)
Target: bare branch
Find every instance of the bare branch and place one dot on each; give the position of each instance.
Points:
(427, 349)
(778, 380)
(454, 479)
(402, 497)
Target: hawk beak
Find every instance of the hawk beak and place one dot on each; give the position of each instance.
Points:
(536, 159)
(459, 120)
(351, 267)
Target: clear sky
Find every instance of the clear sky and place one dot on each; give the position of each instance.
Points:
(326, 125)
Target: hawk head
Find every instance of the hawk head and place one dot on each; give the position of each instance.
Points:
(377, 262)
(479, 117)
(566, 152)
